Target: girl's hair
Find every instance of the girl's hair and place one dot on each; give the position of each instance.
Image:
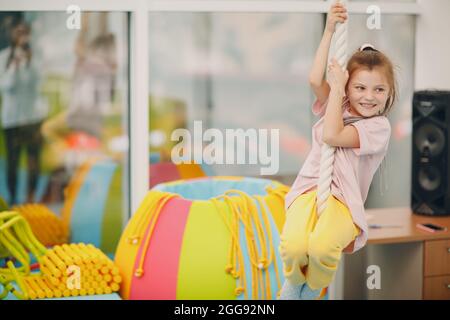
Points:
(369, 58)
(20, 28)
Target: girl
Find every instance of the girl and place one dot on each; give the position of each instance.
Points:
(353, 107)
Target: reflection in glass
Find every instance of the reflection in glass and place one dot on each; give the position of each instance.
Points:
(70, 94)
(250, 70)
(22, 115)
(230, 71)
(388, 186)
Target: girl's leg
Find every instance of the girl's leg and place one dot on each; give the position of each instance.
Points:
(300, 221)
(333, 232)
(290, 291)
(13, 145)
(34, 146)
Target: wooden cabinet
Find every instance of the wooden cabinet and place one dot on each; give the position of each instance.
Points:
(417, 262)
(436, 284)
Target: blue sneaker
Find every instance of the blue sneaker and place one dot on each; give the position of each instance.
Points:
(308, 294)
(290, 291)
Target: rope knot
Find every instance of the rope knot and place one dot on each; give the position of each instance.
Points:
(238, 291)
(139, 273)
(228, 268)
(262, 264)
(133, 240)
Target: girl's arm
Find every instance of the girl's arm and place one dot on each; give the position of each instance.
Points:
(8, 77)
(334, 132)
(316, 77)
(317, 81)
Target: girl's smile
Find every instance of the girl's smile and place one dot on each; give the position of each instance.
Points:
(368, 92)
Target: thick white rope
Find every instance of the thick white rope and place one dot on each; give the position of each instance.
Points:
(327, 152)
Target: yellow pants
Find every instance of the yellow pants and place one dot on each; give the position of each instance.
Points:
(311, 246)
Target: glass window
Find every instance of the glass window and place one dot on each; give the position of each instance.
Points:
(64, 118)
(249, 70)
(230, 71)
(388, 189)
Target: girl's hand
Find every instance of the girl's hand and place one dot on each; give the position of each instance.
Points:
(337, 78)
(337, 13)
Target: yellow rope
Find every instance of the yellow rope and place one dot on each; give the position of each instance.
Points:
(139, 272)
(268, 259)
(17, 238)
(235, 265)
(279, 192)
(20, 293)
(272, 252)
(148, 212)
(243, 210)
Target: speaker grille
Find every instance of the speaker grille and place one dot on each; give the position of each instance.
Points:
(430, 139)
(430, 192)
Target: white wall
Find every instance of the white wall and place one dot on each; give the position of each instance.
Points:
(433, 45)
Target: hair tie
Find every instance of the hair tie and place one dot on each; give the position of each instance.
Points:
(367, 47)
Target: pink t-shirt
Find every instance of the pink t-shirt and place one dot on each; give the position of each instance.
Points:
(354, 168)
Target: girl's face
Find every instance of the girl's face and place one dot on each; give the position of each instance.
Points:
(368, 92)
(21, 35)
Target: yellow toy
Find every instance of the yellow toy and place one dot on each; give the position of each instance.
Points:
(48, 228)
(73, 270)
(16, 240)
(66, 270)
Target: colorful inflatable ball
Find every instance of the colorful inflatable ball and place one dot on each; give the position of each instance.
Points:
(205, 238)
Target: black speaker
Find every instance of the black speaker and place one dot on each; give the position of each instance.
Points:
(430, 189)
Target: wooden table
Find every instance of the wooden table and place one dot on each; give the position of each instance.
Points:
(414, 264)
(407, 232)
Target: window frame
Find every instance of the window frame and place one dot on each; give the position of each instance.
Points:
(139, 81)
